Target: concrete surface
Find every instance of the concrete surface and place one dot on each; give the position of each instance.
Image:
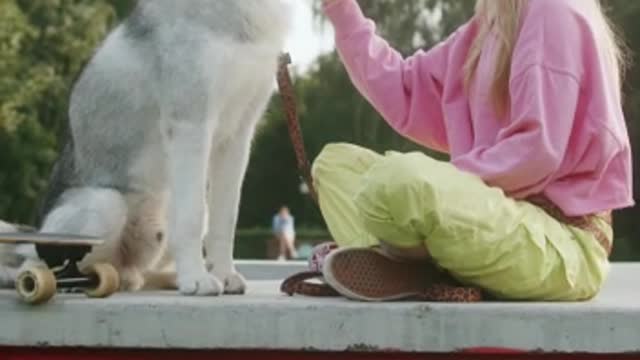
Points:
(270, 270)
(266, 319)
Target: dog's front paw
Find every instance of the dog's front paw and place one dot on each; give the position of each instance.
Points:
(199, 284)
(234, 283)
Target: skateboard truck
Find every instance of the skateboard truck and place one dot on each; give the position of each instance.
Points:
(70, 279)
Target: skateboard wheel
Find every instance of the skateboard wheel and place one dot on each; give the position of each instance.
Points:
(108, 280)
(36, 285)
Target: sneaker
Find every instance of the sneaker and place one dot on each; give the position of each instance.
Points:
(370, 275)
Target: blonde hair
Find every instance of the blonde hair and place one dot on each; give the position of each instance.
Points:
(503, 19)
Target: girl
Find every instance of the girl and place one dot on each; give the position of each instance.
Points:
(526, 100)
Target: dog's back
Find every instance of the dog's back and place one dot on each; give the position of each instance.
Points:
(250, 21)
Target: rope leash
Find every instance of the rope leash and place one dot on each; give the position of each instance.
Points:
(291, 113)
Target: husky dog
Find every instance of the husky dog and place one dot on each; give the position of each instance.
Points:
(161, 122)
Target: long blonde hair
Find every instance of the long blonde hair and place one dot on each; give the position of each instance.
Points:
(503, 19)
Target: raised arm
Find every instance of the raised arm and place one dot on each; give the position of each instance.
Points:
(406, 92)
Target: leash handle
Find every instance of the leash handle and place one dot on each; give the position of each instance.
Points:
(287, 94)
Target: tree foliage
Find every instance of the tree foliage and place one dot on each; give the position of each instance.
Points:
(44, 44)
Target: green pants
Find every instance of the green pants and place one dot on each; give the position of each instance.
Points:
(512, 249)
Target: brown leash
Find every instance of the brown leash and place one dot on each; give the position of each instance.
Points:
(288, 98)
(298, 283)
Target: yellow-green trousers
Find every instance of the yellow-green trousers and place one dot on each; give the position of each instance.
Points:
(512, 249)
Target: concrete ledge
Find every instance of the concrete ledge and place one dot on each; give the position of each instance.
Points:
(270, 270)
(266, 320)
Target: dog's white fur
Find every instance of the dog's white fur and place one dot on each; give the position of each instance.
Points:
(156, 120)
(9, 260)
(13, 258)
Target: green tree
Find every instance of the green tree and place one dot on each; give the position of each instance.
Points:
(44, 44)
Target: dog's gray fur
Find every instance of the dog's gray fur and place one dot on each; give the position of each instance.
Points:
(166, 107)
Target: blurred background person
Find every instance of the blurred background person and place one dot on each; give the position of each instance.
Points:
(284, 231)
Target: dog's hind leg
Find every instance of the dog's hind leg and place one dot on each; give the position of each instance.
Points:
(94, 212)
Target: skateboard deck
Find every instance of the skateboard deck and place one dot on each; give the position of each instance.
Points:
(48, 239)
(38, 284)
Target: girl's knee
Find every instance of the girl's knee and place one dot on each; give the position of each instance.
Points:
(341, 157)
(324, 162)
(401, 185)
(396, 204)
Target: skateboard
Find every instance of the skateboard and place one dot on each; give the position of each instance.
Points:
(39, 284)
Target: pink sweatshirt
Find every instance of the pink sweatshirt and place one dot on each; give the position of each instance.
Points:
(565, 136)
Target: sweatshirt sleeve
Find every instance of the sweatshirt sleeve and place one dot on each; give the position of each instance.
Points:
(406, 92)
